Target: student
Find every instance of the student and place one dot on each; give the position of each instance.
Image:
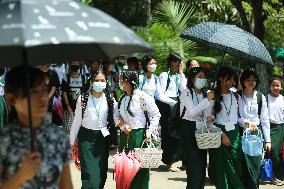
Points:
(276, 118)
(52, 81)
(226, 162)
(112, 79)
(132, 64)
(172, 82)
(71, 89)
(150, 83)
(134, 117)
(93, 110)
(48, 165)
(3, 104)
(194, 101)
(253, 115)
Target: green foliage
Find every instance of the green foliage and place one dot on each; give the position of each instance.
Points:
(86, 2)
(169, 19)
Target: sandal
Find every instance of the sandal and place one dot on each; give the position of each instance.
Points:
(174, 169)
(277, 182)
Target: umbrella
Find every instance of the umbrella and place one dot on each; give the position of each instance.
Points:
(117, 160)
(132, 169)
(49, 31)
(46, 31)
(125, 168)
(229, 39)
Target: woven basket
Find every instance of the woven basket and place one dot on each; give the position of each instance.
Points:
(149, 157)
(208, 137)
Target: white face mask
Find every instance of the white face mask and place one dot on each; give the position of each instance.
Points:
(99, 86)
(200, 83)
(152, 68)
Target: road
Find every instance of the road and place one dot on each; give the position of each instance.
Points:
(160, 179)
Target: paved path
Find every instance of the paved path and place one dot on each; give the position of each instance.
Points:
(160, 179)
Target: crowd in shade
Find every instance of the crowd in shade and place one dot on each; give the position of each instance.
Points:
(92, 107)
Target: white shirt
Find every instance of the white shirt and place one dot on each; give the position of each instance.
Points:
(276, 109)
(138, 120)
(248, 109)
(195, 105)
(153, 88)
(177, 82)
(2, 85)
(95, 116)
(228, 116)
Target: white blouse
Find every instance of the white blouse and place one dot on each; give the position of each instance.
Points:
(276, 109)
(95, 116)
(138, 120)
(195, 105)
(228, 115)
(153, 88)
(248, 109)
(177, 83)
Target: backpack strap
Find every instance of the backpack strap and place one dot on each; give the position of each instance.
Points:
(84, 100)
(143, 82)
(237, 98)
(110, 102)
(259, 102)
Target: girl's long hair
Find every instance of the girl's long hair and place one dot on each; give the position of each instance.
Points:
(132, 78)
(224, 72)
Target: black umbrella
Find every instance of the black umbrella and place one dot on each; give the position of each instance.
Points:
(230, 39)
(61, 30)
(46, 31)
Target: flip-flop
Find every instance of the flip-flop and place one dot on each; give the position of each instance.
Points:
(174, 169)
(277, 182)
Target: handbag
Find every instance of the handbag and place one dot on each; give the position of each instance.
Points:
(208, 137)
(149, 157)
(252, 144)
(266, 171)
(283, 151)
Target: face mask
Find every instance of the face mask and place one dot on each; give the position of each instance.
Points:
(99, 86)
(200, 83)
(75, 68)
(152, 68)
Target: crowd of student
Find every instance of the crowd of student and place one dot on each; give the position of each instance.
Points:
(98, 98)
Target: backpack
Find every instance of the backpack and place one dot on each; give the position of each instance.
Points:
(110, 101)
(168, 83)
(175, 117)
(258, 99)
(144, 81)
(142, 105)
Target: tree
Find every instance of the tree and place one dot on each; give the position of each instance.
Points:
(169, 19)
(255, 16)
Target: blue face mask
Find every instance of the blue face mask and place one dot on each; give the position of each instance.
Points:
(200, 83)
(99, 86)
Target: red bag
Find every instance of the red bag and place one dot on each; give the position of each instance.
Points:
(75, 157)
(283, 151)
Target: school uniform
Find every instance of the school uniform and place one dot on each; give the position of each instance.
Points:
(137, 122)
(171, 84)
(276, 119)
(3, 104)
(226, 163)
(192, 108)
(93, 141)
(248, 110)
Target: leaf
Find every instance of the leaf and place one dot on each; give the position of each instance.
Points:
(177, 15)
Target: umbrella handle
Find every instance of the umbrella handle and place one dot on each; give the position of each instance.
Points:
(127, 140)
